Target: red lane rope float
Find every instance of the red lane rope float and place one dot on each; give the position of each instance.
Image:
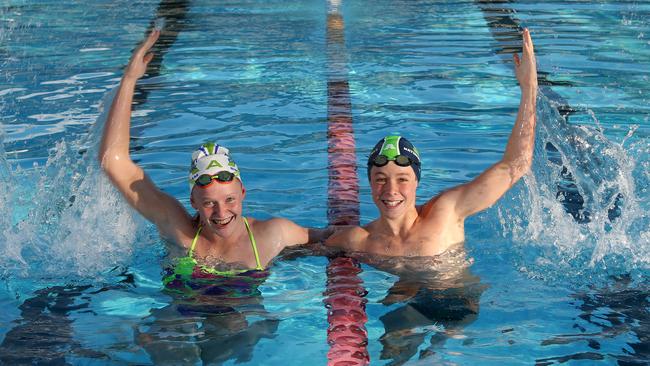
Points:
(343, 183)
(346, 314)
(344, 295)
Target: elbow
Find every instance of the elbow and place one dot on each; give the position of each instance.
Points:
(111, 162)
(103, 159)
(100, 158)
(103, 154)
(517, 168)
(526, 164)
(520, 169)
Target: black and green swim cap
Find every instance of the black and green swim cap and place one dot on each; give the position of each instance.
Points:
(392, 147)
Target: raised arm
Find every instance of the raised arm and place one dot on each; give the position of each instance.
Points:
(493, 183)
(129, 178)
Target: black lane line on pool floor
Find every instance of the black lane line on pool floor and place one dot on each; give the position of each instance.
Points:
(50, 307)
(43, 334)
(506, 30)
(344, 295)
(171, 17)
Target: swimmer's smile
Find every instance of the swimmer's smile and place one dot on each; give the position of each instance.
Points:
(392, 203)
(222, 222)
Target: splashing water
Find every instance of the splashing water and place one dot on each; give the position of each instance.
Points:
(5, 189)
(583, 210)
(64, 221)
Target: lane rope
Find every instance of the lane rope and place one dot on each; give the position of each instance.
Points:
(344, 295)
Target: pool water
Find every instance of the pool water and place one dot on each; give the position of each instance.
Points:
(555, 273)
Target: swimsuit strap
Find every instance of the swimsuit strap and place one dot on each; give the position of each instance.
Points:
(196, 238)
(252, 239)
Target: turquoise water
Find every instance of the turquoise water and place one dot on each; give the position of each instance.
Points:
(558, 268)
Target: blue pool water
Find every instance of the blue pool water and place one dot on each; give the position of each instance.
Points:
(557, 270)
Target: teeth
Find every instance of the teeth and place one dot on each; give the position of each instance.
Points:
(222, 221)
(392, 203)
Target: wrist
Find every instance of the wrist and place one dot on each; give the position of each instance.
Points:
(529, 91)
(129, 79)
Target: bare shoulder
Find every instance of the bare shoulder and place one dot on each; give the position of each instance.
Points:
(441, 204)
(282, 231)
(349, 238)
(274, 224)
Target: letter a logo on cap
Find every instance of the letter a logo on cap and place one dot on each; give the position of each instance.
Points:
(213, 163)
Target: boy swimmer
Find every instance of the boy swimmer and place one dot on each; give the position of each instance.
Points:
(404, 229)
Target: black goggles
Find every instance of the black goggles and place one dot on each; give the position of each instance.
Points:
(401, 160)
(223, 176)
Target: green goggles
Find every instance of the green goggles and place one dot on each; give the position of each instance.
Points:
(401, 160)
(223, 177)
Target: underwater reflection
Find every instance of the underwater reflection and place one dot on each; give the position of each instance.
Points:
(617, 311)
(209, 323)
(433, 299)
(44, 335)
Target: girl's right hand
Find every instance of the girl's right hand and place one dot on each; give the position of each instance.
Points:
(141, 57)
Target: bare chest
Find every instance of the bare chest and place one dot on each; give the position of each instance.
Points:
(422, 240)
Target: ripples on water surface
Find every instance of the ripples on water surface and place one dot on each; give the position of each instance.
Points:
(556, 272)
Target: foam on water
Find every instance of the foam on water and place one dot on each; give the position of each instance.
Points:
(582, 213)
(5, 189)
